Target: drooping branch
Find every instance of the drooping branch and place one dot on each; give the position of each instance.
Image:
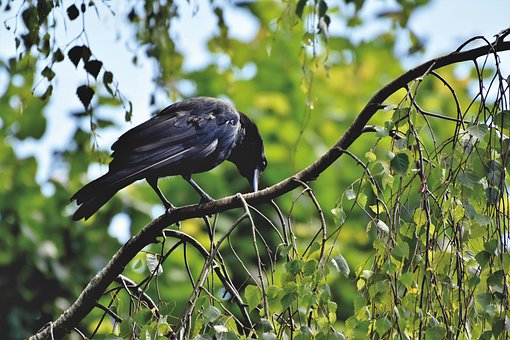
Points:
(90, 295)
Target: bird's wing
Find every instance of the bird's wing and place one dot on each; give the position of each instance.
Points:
(177, 136)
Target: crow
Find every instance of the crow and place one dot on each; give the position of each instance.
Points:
(191, 136)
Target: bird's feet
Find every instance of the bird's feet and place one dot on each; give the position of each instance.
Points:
(169, 207)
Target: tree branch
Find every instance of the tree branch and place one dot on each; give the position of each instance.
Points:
(90, 295)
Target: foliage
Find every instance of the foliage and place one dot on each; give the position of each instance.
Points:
(406, 235)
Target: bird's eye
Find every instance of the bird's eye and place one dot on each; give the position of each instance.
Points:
(232, 122)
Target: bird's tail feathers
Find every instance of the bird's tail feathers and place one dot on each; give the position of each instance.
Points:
(95, 194)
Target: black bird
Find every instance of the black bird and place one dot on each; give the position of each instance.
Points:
(191, 136)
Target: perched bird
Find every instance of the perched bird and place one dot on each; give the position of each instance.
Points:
(191, 136)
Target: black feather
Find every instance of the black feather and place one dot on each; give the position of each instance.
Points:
(191, 136)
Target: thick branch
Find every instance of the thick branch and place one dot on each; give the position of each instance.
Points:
(88, 298)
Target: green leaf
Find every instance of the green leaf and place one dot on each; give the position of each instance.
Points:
(58, 56)
(502, 119)
(339, 215)
(252, 296)
(400, 114)
(310, 267)
(107, 77)
(407, 230)
(48, 73)
(212, 313)
(457, 213)
(400, 163)
(407, 279)
(288, 299)
(436, 332)
(482, 258)
(492, 195)
(350, 194)
(268, 336)
(491, 246)
(381, 131)
(419, 217)
(401, 250)
(382, 325)
(273, 296)
(293, 267)
(341, 266)
(478, 131)
(370, 156)
(467, 179)
(266, 325)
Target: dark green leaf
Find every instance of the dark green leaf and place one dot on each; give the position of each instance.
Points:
(266, 325)
(85, 53)
(436, 332)
(58, 56)
(310, 267)
(401, 250)
(294, 267)
(467, 179)
(491, 246)
(72, 12)
(85, 94)
(47, 93)
(502, 119)
(478, 131)
(340, 264)
(48, 73)
(107, 77)
(382, 325)
(93, 67)
(400, 163)
(492, 195)
(482, 258)
(300, 6)
(400, 114)
(323, 7)
(43, 9)
(75, 54)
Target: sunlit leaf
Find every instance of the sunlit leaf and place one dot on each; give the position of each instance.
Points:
(382, 226)
(341, 266)
(212, 313)
(252, 296)
(153, 264)
(478, 131)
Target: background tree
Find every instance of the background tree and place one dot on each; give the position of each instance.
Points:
(431, 185)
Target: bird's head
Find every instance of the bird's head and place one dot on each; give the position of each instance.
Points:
(248, 154)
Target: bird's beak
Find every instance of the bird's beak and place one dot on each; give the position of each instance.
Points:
(255, 179)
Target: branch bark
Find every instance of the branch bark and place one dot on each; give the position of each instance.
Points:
(93, 291)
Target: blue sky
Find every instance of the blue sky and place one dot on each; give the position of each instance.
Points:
(444, 25)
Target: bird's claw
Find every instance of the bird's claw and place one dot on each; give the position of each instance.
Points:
(168, 210)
